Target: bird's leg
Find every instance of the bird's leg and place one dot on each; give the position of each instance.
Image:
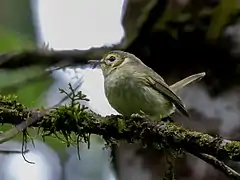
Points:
(167, 119)
(135, 115)
(141, 115)
(138, 115)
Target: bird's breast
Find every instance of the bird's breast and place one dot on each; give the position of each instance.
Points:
(128, 95)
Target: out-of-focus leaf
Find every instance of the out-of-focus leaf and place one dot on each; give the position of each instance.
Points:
(13, 41)
(172, 12)
(18, 16)
(29, 92)
(220, 17)
(5, 127)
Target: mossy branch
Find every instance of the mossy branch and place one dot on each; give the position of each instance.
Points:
(79, 120)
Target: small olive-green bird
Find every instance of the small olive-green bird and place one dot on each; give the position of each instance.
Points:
(131, 87)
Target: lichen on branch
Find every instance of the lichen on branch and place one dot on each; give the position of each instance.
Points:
(75, 118)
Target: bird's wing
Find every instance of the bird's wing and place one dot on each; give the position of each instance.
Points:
(157, 82)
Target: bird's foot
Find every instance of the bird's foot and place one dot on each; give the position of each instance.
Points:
(141, 116)
(167, 119)
(136, 115)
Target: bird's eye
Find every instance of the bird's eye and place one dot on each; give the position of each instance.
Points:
(111, 58)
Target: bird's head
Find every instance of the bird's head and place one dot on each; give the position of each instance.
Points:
(113, 60)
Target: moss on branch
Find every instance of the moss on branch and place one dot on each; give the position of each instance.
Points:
(77, 119)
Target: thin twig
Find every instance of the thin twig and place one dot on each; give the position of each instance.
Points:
(11, 151)
(229, 172)
(76, 87)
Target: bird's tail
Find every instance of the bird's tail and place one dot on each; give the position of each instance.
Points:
(181, 84)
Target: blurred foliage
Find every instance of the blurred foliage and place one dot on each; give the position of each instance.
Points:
(17, 32)
(13, 41)
(28, 93)
(21, 83)
(212, 17)
(18, 16)
(221, 16)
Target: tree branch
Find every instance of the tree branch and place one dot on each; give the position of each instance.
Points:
(69, 119)
(48, 58)
(229, 172)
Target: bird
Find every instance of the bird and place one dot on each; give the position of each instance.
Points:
(131, 87)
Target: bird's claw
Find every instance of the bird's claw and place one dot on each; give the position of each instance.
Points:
(136, 115)
(139, 116)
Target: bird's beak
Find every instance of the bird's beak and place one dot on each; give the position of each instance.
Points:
(95, 63)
